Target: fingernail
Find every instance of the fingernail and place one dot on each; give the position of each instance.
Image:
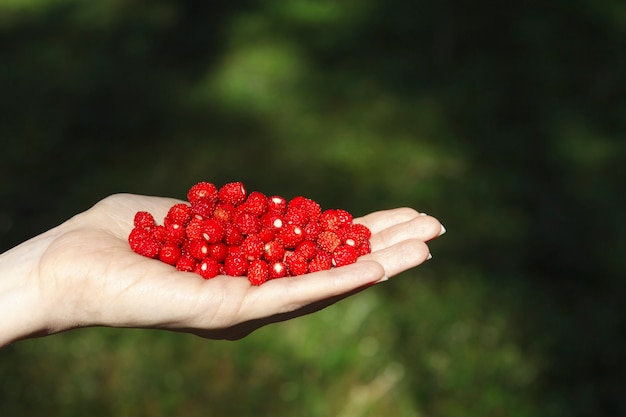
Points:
(430, 256)
(383, 279)
(423, 214)
(443, 230)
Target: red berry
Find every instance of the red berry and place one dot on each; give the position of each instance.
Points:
(143, 219)
(218, 251)
(213, 230)
(202, 207)
(235, 250)
(344, 217)
(159, 233)
(273, 251)
(253, 247)
(202, 190)
(232, 236)
(278, 270)
(311, 207)
(329, 220)
(178, 213)
(328, 240)
(322, 261)
(354, 234)
(256, 203)
(233, 193)
(296, 215)
(307, 249)
(247, 223)
(170, 253)
(175, 233)
(344, 255)
(141, 242)
(290, 235)
(235, 265)
(267, 233)
(364, 248)
(207, 268)
(277, 204)
(194, 229)
(224, 211)
(186, 263)
(258, 272)
(296, 264)
(273, 220)
(313, 229)
(198, 248)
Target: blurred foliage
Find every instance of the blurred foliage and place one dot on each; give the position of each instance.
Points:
(506, 121)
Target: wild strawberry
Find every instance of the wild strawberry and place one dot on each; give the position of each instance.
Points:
(278, 269)
(235, 250)
(312, 229)
(213, 230)
(232, 236)
(290, 235)
(202, 190)
(277, 204)
(267, 233)
(202, 208)
(364, 248)
(307, 249)
(175, 234)
(198, 248)
(207, 268)
(297, 216)
(253, 247)
(141, 242)
(296, 264)
(194, 229)
(233, 193)
(235, 265)
(218, 251)
(273, 251)
(179, 214)
(272, 219)
(322, 261)
(256, 203)
(328, 241)
(344, 255)
(258, 272)
(186, 263)
(224, 211)
(247, 223)
(354, 234)
(143, 219)
(345, 218)
(311, 207)
(159, 233)
(169, 253)
(329, 220)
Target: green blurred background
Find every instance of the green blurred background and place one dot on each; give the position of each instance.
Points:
(505, 121)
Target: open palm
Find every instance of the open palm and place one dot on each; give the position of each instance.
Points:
(89, 276)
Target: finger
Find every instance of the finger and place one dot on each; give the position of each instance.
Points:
(380, 220)
(424, 228)
(400, 256)
(284, 295)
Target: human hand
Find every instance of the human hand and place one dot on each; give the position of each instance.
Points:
(83, 273)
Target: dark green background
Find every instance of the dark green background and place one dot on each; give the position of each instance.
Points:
(505, 121)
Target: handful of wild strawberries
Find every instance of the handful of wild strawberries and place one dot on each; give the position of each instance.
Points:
(228, 231)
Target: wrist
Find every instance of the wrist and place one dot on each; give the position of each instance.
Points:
(23, 309)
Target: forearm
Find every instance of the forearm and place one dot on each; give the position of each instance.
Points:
(22, 309)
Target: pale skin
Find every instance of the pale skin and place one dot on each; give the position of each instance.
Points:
(82, 273)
